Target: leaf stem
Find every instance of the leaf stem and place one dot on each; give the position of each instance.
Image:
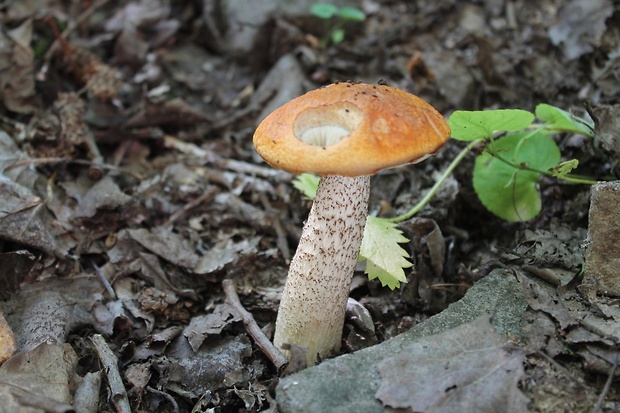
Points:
(417, 207)
(574, 179)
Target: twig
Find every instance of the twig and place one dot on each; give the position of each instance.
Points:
(229, 164)
(546, 274)
(175, 405)
(104, 281)
(610, 379)
(262, 342)
(205, 197)
(115, 381)
(560, 367)
(277, 226)
(47, 161)
(71, 26)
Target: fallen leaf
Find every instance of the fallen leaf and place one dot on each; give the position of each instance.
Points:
(217, 364)
(14, 267)
(7, 340)
(471, 368)
(17, 89)
(166, 244)
(38, 378)
(202, 326)
(580, 26)
(225, 253)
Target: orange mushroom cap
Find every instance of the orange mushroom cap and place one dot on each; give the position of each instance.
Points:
(350, 129)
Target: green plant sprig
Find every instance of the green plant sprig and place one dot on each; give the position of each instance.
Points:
(338, 16)
(516, 152)
(431, 192)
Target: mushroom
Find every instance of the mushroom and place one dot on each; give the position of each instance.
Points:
(344, 132)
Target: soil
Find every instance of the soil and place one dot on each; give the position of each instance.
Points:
(131, 189)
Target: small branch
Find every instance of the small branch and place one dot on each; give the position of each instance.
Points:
(71, 26)
(277, 226)
(103, 280)
(262, 342)
(51, 161)
(607, 387)
(204, 198)
(546, 274)
(109, 361)
(175, 405)
(229, 164)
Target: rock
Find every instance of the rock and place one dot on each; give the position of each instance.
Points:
(603, 251)
(348, 383)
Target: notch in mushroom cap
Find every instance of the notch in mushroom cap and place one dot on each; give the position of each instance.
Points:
(350, 129)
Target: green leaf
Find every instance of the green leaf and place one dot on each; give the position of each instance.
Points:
(323, 10)
(564, 168)
(307, 184)
(337, 36)
(351, 13)
(472, 125)
(385, 259)
(511, 193)
(563, 121)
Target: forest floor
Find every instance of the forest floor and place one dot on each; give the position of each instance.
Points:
(130, 188)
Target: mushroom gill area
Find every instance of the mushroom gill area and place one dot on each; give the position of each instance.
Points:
(327, 125)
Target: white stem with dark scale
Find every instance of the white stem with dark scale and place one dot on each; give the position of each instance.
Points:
(313, 303)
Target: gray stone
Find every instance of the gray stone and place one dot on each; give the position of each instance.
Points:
(603, 253)
(348, 383)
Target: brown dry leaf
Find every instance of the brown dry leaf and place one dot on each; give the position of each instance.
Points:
(223, 253)
(166, 244)
(219, 363)
(17, 89)
(541, 299)
(14, 267)
(7, 340)
(560, 246)
(173, 112)
(24, 217)
(104, 194)
(37, 380)
(202, 326)
(607, 131)
(142, 25)
(470, 368)
(580, 26)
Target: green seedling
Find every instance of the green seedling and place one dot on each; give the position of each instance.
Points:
(515, 152)
(338, 17)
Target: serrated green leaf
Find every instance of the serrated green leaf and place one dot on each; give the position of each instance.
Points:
(564, 168)
(323, 10)
(307, 184)
(351, 13)
(472, 125)
(561, 120)
(385, 259)
(511, 193)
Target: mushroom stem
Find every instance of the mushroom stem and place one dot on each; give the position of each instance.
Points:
(312, 308)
